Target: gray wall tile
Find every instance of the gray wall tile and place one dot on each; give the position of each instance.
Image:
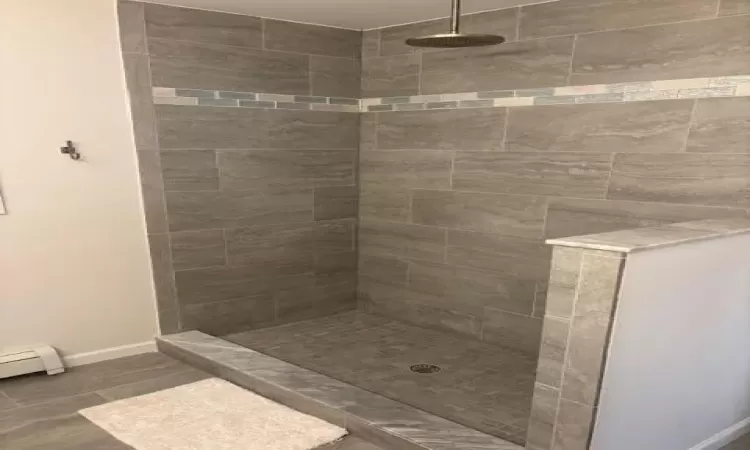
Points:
(132, 27)
(721, 125)
(370, 44)
(169, 322)
(563, 281)
(552, 352)
(368, 131)
(161, 266)
(582, 16)
(468, 129)
(237, 128)
(384, 203)
(287, 249)
(401, 240)
(383, 270)
(315, 301)
(518, 65)
(392, 39)
(233, 209)
(406, 168)
(542, 420)
(336, 267)
(208, 27)
(527, 259)
(692, 178)
(336, 202)
(335, 77)
(258, 169)
(196, 249)
(205, 66)
(575, 423)
(390, 76)
(312, 39)
(511, 215)
(715, 48)
(138, 80)
(642, 127)
(334, 236)
(190, 170)
(514, 331)
(232, 316)
(568, 174)
(731, 7)
(152, 190)
(575, 217)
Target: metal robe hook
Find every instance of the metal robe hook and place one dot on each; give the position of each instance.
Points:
(71, 150)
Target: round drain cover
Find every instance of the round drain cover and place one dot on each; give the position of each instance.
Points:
(425, 368)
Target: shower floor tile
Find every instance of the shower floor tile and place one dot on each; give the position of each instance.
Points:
(480, 385)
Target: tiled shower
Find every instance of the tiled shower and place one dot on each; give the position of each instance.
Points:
(315, 192)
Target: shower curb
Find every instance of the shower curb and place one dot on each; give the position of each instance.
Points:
(372, 417)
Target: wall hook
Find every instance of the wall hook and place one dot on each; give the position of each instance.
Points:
(71, 150)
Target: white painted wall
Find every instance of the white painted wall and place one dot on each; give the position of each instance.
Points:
(74, 263)
(678, 373)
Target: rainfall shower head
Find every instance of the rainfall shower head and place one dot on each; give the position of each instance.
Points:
(455, 39)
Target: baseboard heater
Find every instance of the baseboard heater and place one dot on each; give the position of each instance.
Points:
(38, 358)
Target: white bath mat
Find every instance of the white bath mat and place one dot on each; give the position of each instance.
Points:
(210, 415)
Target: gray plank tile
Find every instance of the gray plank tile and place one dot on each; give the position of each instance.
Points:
(590, 327)
(288, 248)
(218, 284)
(577, 217)
(517, 65)
(6, 403)
(512, 215)
(335, 236)
(581, 16)
(391, 76)
(406, 168)
(370, 44)
(384, 203)
(716, 48)
(639, 127)
(207, 27)
(41, 388)
(21, 418)
(312, 39)
(368, 131)
(138, 78)
(513, 331)
(468, 289)
(162, 270)
(527, 259)
(542, 421)
(457, 129)
(257, 169)
(335, 202)
(152, 190)
(190, 170)
(132, 27)
(234, 209)
(552, 352)
(315, 301)
(567, 174)
(244, 128)
(231, 316)
(732, 7)
(401, 240)
(169, 321)
(411, 307)
(187, 376)
(205, 66)
(335, 77)
(721, 125)
(691, 178)
(563, 281)
(575, 423)
(383, 270)
(335, 267)
(195, 249)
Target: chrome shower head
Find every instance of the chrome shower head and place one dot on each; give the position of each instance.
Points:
(455, 39)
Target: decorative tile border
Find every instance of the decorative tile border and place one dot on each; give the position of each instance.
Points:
(691, 88)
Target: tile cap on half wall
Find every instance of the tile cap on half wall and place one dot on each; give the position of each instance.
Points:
(639, 239)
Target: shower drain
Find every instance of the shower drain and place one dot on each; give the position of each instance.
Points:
(425, 368)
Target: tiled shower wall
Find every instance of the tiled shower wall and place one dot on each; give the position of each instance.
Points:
(455, 204)
(251, 213)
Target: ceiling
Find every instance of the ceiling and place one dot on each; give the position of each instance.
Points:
(353, 14)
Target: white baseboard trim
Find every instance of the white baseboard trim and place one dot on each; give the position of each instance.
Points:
(81, 359)
(724, 437)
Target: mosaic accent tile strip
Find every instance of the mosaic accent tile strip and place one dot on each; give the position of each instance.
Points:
(692, 88)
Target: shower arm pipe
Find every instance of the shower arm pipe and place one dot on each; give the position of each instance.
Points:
(455, 16)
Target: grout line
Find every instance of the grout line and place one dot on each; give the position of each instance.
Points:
(504, 142)
(691, 122)
(718, 8)
(519, 13)
(572, 58)
(609, 176)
